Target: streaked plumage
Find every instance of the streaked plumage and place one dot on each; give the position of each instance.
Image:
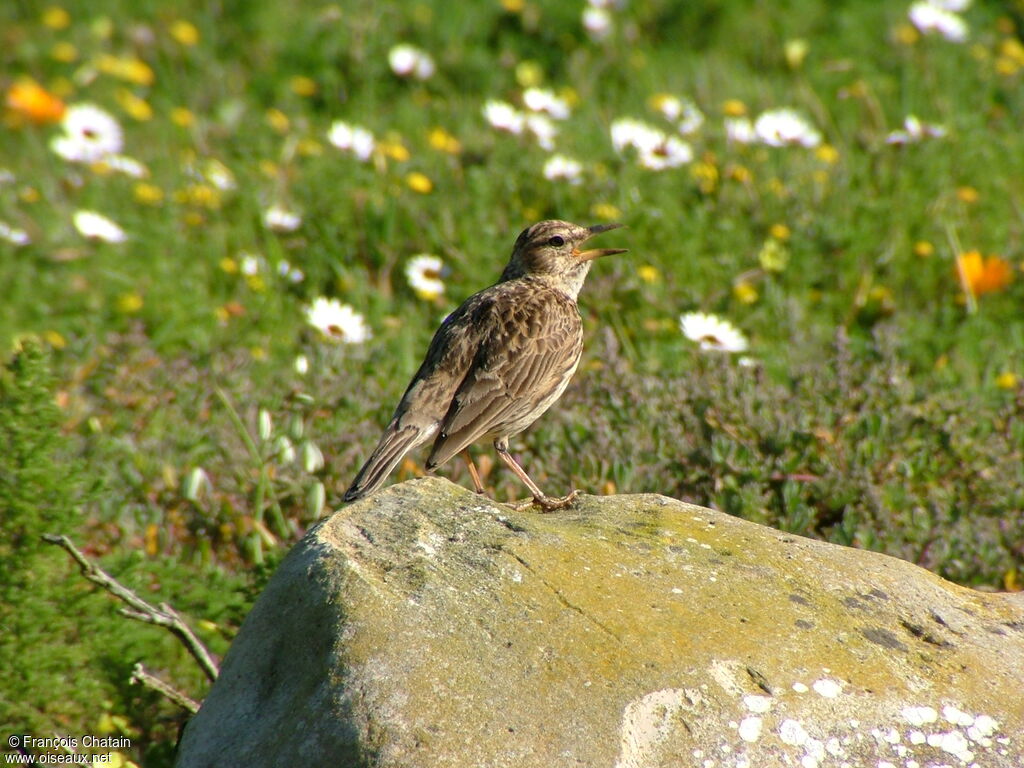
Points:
(497, 362)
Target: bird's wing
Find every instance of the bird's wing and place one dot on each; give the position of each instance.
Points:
(428, 397)
(448, 360)
(526, 356)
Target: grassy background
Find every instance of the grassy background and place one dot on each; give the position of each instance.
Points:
(881, 412)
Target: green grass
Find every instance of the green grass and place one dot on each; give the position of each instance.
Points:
(882, 411)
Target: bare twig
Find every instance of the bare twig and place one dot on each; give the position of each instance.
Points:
(141, 676)
(139, 609)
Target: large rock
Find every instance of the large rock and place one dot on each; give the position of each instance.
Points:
(428, 626)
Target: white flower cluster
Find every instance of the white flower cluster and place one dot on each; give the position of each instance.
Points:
(776, 128)
(940, 17)
(543, 107)
(352, 138)
(656, 150)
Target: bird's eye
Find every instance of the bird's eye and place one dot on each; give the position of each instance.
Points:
(557, 241)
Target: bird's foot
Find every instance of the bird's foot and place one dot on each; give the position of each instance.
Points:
(546, 503)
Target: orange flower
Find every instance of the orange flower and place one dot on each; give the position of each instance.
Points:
(29, 99)
(981, 275)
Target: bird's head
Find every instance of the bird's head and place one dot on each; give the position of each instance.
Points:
(551, 249)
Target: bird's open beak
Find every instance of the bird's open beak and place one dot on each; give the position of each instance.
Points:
(595, 253)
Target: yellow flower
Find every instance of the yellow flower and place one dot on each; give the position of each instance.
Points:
(278, 120)
(185, 32)
(606, 211)
(395, 149)
(706, 176)
(129, 303)
(229, 265)
(795, 52)
(648, 274)
(773, 256)
(741, 174)
(56, 17)
(148, 194)
(443, 141)
(29, 195)
(1007, 380)
(745, 292)
(54, 339)
(734, 108)
(135, 107)
(967, 195)
(418, 182)
(980, 275)
(513, 6)
(779, 231)
(308, 147)
(1006, 67)
(923, 249)
(529, 74)
(126, 68)
(303, 86)
(64, 52)
(199, 195)
(827, 154)
(182, 117)
(1012, 49)
(906, 34)
(30, 100)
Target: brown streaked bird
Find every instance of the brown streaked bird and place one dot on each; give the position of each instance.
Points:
(497, 362)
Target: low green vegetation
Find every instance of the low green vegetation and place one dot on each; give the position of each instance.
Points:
(830, 192)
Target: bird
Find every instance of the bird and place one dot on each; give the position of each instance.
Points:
(497, 362)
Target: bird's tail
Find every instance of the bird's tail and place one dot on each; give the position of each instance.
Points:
(394, 444)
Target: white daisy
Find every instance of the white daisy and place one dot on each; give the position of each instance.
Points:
(691, 120)
(685, 111)
(656, 150)
(281, 219)
(562, 168)
(14, 235)
(129, 166)
(504, 117)
(712, 333)
(543, 130)
(409, 61)
(955, 6)
(930, 17)
(543, 100)
(248, 264)
(627, 132)
(301, 365)
(782, 127)
(90, 135)
(337, 321)
(597, 22)
(740, 130)
(670, 153)
(352, 138)
(96, 226)
(423, 272)
(914, 130)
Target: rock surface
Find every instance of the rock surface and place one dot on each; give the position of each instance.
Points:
(429, 626)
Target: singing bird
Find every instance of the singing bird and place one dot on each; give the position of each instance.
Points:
(497, 362)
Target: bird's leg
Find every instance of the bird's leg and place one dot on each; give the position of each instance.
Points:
(547, 503)
(472, 471)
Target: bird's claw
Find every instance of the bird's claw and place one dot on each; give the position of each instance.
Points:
(546, 503)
